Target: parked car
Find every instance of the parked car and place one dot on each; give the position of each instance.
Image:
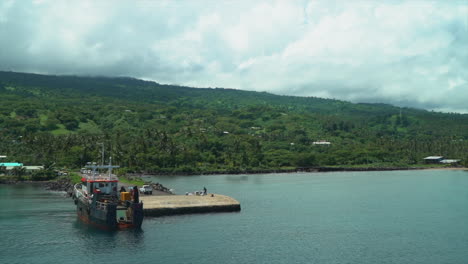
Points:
(146, 189)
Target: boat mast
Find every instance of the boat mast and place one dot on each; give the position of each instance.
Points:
(110, 167)
(102, 153)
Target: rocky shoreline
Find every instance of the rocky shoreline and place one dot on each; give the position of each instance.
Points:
(61, 185)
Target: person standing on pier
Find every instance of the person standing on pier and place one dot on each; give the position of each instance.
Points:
(204, 190)
(136, 195)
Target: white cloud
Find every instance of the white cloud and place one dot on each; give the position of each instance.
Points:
(410, 53)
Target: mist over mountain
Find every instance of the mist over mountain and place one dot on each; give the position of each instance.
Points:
(404, 53)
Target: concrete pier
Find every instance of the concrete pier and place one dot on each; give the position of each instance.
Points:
(162, 205)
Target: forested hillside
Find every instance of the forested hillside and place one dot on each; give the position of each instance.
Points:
(146, 126)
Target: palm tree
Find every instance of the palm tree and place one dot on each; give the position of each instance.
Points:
(18, 172)
(3, 170)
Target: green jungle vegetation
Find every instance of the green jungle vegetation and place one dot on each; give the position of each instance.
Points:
(65, 121)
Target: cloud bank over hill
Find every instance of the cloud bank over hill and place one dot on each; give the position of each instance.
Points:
(408, 53)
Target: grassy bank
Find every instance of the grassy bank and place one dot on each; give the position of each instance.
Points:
(131, 181)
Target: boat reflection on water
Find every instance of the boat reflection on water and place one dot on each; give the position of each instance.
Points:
(91, 238)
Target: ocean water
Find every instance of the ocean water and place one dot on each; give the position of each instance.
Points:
(345, 217)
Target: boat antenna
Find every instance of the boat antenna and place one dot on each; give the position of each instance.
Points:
(110, 167)
(102, 152)
(94, 170)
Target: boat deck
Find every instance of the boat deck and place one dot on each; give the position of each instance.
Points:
(162, 205)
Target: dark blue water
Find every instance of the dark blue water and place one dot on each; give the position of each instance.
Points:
(365, 217)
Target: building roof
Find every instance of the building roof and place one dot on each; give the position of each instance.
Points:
(11, 164)
(34, 167)
(433, 157)
(449, 161)
(321, 143)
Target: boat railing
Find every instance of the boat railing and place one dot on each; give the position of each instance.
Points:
(100, 177)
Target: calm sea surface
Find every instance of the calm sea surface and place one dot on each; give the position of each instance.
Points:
(346, 217)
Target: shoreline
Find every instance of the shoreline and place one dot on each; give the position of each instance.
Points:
(449, 168)
(311, 169)
(51, 183)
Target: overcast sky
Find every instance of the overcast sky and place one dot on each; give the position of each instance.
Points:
(406, 53)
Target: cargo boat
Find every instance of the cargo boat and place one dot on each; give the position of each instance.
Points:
(100, 204)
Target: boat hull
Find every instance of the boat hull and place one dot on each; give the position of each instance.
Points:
(105, 217)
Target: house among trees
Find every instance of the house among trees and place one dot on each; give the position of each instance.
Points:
(433, 159)
(440, 159)
(11, 165)
(321, 142)
(33, 168)
(450, 161)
